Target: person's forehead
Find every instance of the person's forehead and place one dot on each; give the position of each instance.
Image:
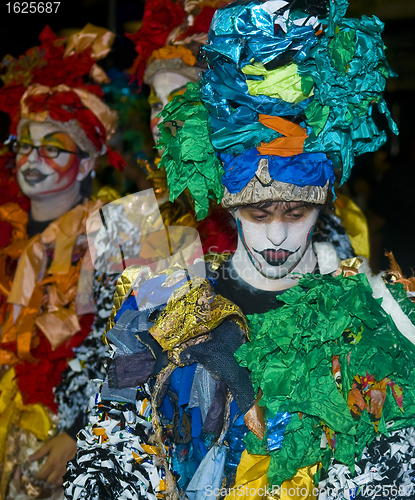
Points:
(165, 83)
(273, 206)
(38, 130)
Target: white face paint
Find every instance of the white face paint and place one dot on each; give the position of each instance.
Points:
(50, 168)
(39, 176)
(276, 236)
(164, 86)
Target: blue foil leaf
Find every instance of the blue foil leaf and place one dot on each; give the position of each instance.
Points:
(276, 430)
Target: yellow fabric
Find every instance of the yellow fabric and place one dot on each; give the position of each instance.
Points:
(355, 224)
(251, 477)
(33, 418)
(353, 263)
(301, 485)
(122, 288)
(107, 194)
(281, 83)
(251, 481)
(193, 312)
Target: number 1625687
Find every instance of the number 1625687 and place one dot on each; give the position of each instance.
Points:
(32, 7)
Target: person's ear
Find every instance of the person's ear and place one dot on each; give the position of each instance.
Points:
(86, 166)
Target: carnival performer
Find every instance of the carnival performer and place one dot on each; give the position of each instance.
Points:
(60, 126)
(279, 368)
(165, 63)
(168, 45)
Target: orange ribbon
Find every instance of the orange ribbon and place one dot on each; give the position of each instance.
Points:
(290, 145)
(408, 283)
(254, 418)
(60, 321)
(173, 52)
(20, 330)
(17, 218)
(64, 232)
(27, 274)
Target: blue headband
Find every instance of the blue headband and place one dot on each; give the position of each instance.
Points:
(307, 169)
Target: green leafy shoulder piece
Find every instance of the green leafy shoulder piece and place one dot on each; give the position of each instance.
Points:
(189, 157)
(326, 322)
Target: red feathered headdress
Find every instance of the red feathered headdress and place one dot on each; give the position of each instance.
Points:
(59, 81)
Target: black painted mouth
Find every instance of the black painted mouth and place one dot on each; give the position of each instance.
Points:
(33, 176)
(275, 257)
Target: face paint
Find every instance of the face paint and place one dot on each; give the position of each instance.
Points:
(276, 237)
(164, 86)
(41, 176)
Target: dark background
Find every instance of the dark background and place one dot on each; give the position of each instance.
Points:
(383, 184)
(19, 32)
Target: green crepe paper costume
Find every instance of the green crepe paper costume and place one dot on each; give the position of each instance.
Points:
(290, 359)
(190, 160)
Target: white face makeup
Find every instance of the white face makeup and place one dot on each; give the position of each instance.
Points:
(164, 86)
(276, 235)
(38, 175)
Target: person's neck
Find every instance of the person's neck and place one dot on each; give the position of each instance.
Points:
(52, 206)
(248, 272)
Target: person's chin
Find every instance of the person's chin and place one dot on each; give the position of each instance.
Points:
(274, 273)
(39, 190)
(271, 272)
(30, 190)
(277, 271)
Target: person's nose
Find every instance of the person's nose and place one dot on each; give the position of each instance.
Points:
(33, 156)
(276, 233)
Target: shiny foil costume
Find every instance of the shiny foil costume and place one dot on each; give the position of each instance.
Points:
(47, 278)
(277, 395)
